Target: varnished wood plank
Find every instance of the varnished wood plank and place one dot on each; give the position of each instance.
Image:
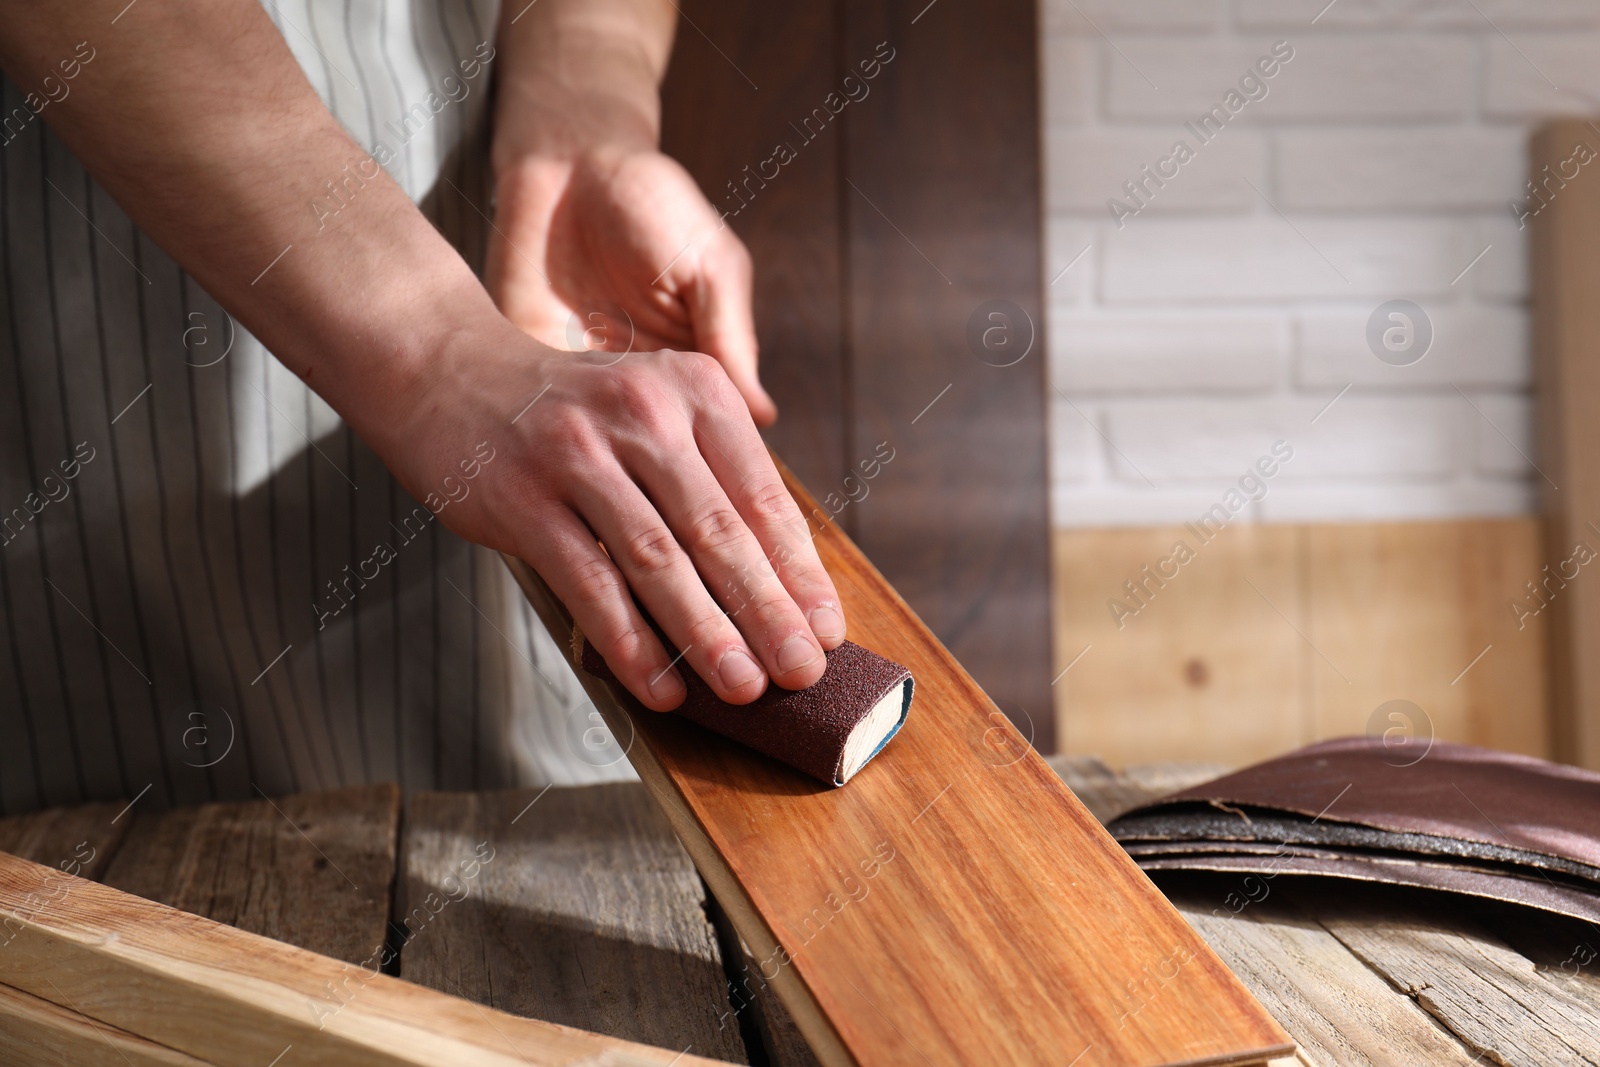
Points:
(726, 132)
(587, 912)
(37, 1033)
(312, 869)
(1204, 664)
(1476, 986)
(1402, 610)
(894, 906)
(942, 215)
(236, 999)
(1562, 240)
(79, 840)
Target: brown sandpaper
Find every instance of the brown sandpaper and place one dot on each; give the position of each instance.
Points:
(1456, 818)
(805, 728)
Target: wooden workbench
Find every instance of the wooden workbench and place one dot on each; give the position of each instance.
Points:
(589, 913)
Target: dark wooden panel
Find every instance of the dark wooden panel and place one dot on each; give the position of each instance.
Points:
(313, 869)
(742, 72)
(942, 213)
(576, 906)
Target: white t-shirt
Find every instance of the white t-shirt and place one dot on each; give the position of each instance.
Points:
(208, 585)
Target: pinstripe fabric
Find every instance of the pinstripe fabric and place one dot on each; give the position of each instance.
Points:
(173, 501)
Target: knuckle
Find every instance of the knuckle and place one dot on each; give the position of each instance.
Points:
(652, 551)
(771, 505)
(715, 529)
(711, 633)
(595, 581)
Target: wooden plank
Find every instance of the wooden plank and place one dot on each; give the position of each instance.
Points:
(1205, 665)
(79, 840)
(588, 913)
(1480, 989)
(313, 869)
(1108, 793)
(236, 999)
(1336, 1008)
(892, 907)
(1403, 610)
(941, 199)
(723, 130)
(37, 1033)
(762, 1017)
(1562, 239)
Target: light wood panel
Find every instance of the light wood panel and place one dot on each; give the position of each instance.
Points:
(1275, 636)
(1208, 668)
(1400, 611)
(945, 907)
(1564, 259)
(236, 999)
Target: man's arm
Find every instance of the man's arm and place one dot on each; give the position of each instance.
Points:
(195, 117)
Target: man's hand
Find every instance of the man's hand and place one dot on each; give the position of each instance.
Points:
(578, 240)
(656, 457)
(590, 217)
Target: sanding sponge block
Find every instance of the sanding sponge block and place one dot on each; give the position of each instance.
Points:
(829, 730)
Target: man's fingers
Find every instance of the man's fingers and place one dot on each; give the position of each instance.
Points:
(648, 554)
(739, 461)
(589, 584)
(732, 562)
(719, 304)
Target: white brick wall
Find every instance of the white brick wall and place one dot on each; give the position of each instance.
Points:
(1231, 308)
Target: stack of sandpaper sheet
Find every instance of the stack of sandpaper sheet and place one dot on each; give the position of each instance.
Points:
(1442, 816)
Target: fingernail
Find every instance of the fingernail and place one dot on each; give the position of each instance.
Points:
(737, 669)
(827, 623)
(664, 685)
(796, 653)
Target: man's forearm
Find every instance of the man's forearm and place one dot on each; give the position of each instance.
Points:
(577, 75)
(196, 118)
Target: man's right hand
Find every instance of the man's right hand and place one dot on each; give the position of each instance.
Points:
(655, 456)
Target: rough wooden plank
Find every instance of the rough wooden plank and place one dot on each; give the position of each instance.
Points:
(236, 999)
(1332, 1004)
(79, 840)
(1562, 239)
(762, 1017)
(908, 890)
(1481, 990)
(1108, 793)
(37, 1033)
(583, 909)
(313, 869)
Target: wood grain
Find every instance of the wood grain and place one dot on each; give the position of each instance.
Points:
(236, 999)
(1562, 258)
(312, 869)
(1402, 610)
(589, 914)
(80, 840)
(1480, 989)
(1277, 636)
(1208, 668)
(890, 911)
(37, 1033)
